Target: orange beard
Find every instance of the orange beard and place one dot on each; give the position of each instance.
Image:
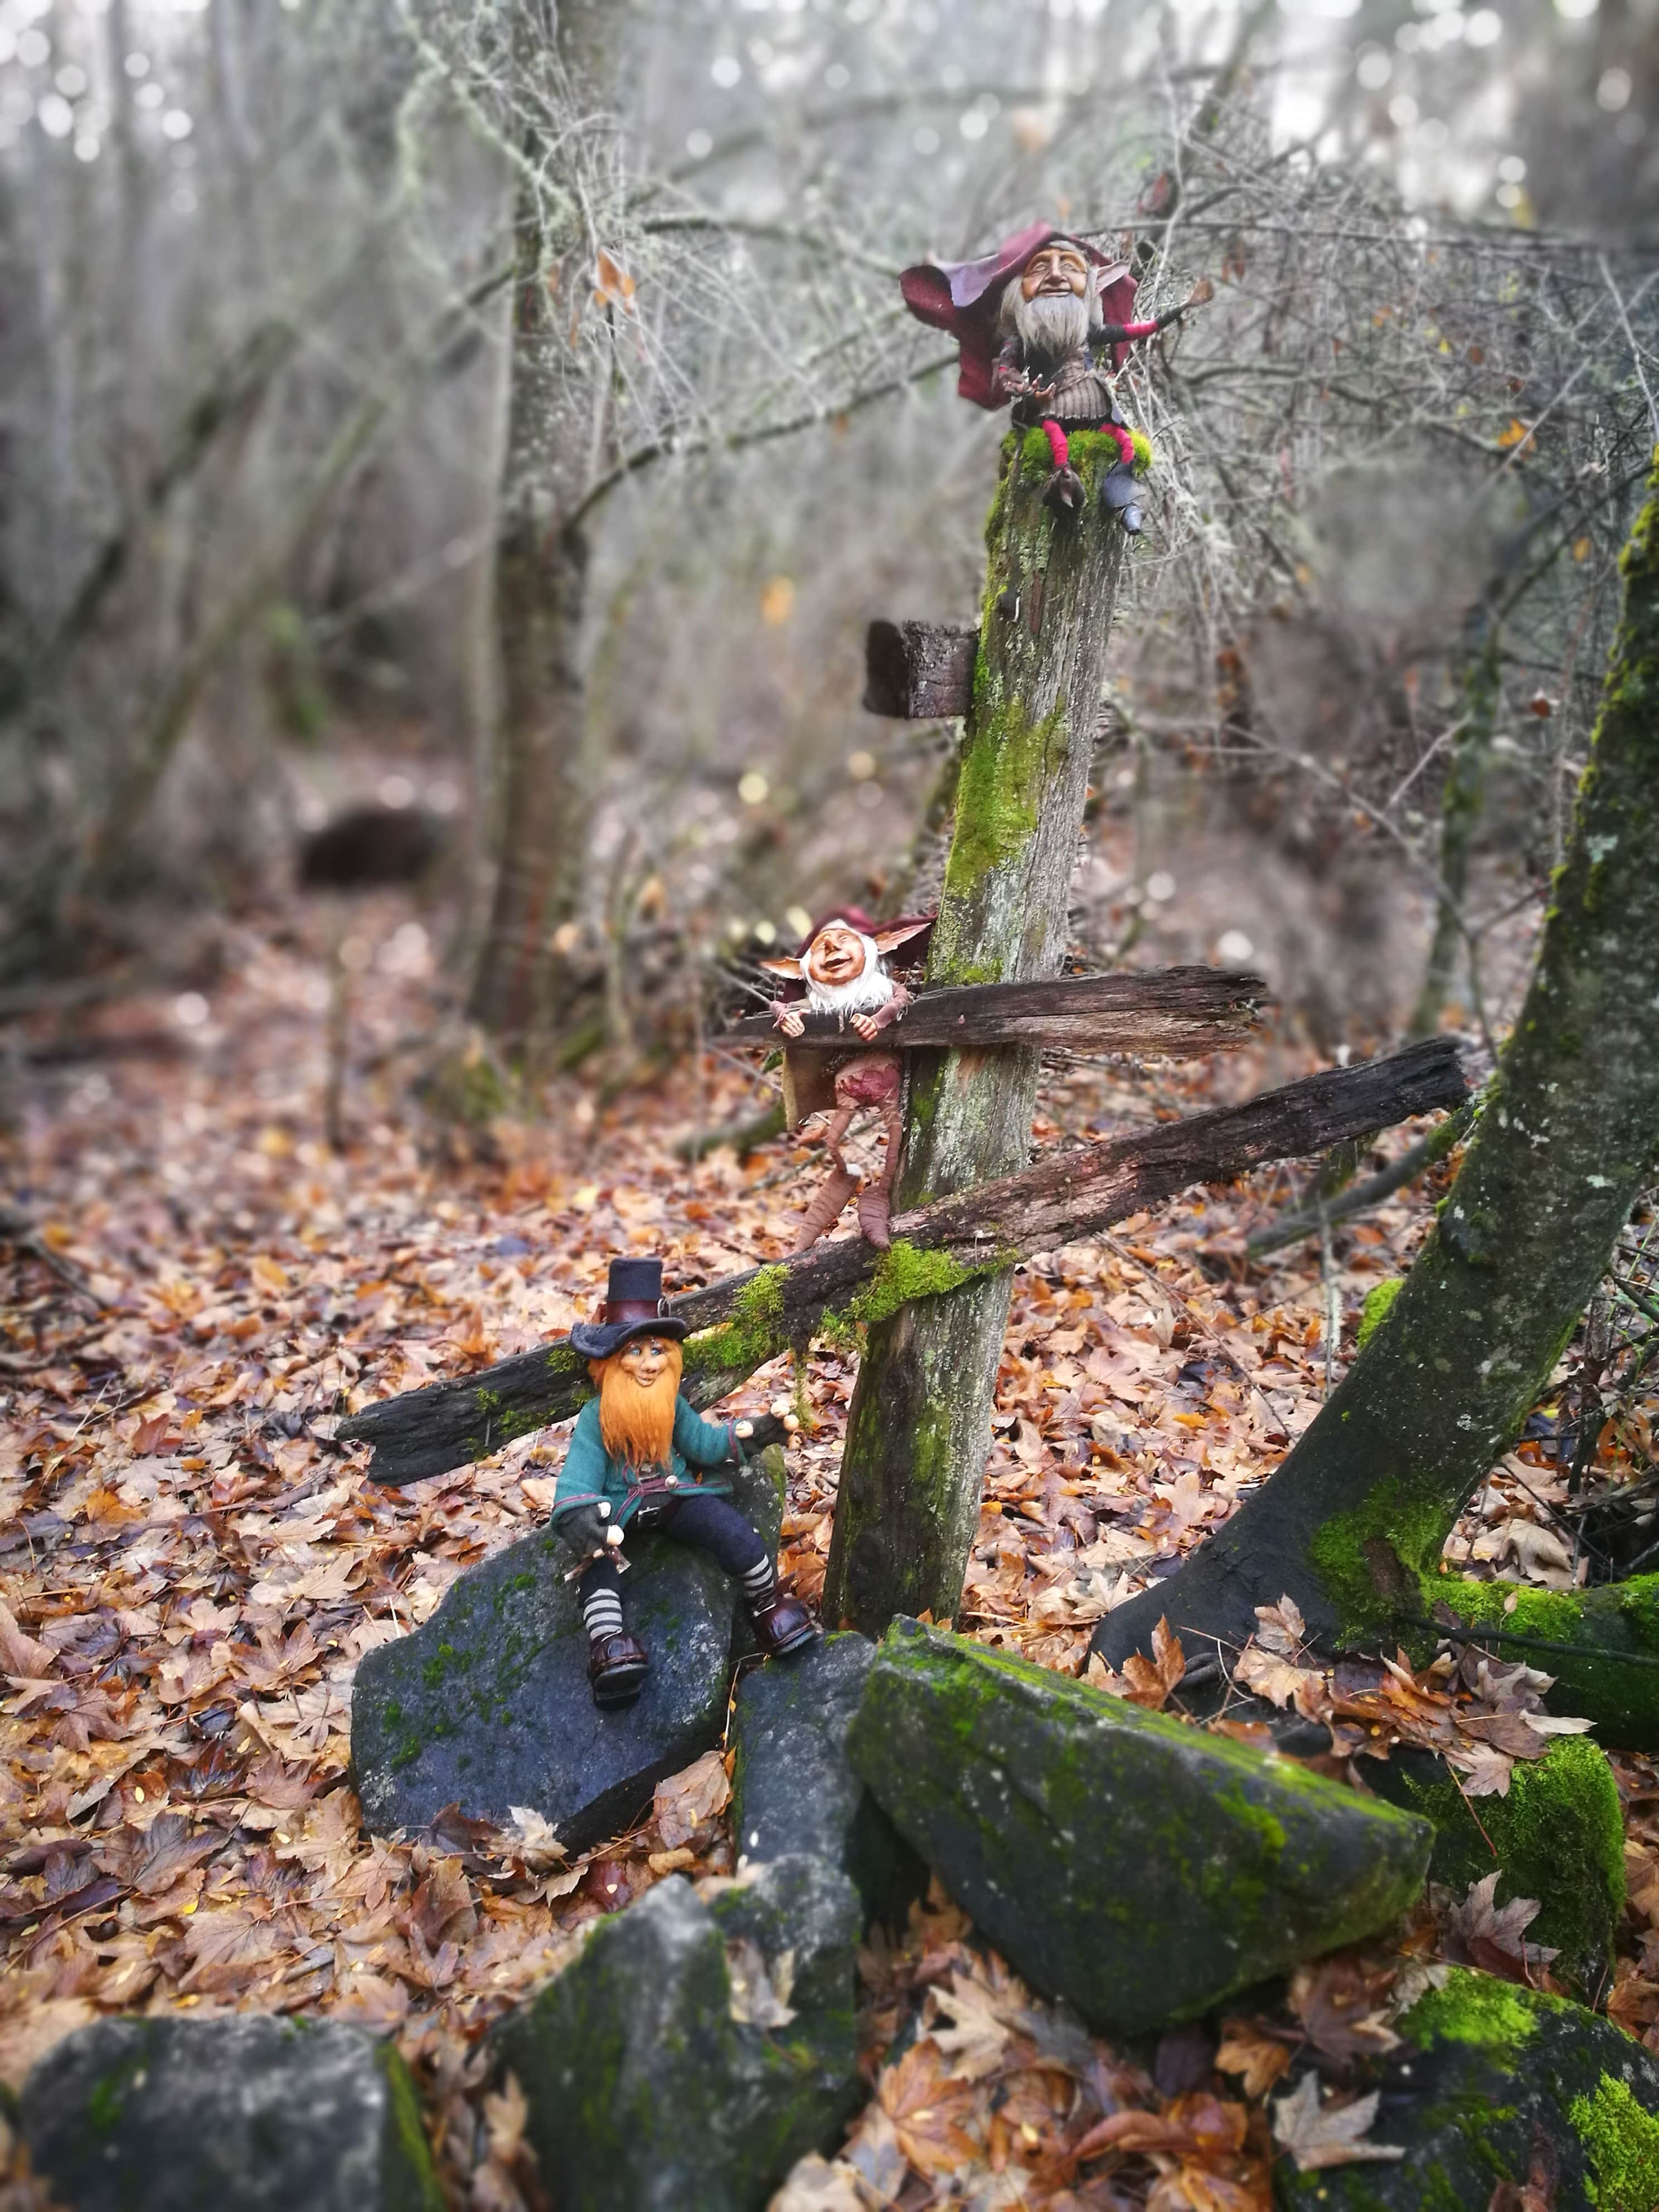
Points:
(637, 1426)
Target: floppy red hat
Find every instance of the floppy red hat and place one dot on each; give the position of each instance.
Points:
(966, 298)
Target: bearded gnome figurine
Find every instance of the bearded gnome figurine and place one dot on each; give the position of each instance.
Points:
(642, 1458)
(839, 970)
(1044, 322)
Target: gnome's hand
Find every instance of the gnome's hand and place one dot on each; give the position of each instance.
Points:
(786, 1018)
(868, 1027)
(757, 1430)
(587, 1531)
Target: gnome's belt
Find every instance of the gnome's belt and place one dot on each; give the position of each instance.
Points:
(651, 1496)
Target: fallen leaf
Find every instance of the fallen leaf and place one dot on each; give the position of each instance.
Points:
(759, 1993)
(681, 1804)
(927, 2108)
(1151, 1681)
(1333, 2134)
(1257, 2058)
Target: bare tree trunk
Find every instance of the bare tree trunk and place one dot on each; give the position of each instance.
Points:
(1460, 818)
(1353, 1524)
(920, 1425)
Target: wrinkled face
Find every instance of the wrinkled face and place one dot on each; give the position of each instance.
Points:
(644, 1358)
(1053, 271)
(836, 955)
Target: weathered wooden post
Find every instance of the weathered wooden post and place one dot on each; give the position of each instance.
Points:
(920, 1425)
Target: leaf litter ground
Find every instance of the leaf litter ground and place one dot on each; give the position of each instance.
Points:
(191, 1570)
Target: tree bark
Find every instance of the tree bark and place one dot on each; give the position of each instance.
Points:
(1460, 818)
(743, 1321)
(1353, 1524)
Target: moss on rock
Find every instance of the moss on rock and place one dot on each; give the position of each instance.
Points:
(1602, 1631)
(1375, 1310)
(1621, 2148)
(1135, 1867)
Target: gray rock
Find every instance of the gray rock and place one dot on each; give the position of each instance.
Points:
(487, 1704)
(793, 1787)
(652, 2084)
(265, 2114)
(1489, 2079)
(1136, 1867)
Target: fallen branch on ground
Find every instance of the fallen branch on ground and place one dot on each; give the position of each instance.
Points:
(743, 1321)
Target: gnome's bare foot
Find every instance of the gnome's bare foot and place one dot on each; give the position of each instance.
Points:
(1064, 490)
(824, 1211)
(875, 1216)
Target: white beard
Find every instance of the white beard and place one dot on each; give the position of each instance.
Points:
(1052, 324)
(872, 989)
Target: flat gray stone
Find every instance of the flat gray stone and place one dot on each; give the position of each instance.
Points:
(653, 2085)
(1139, 1868)
(795, 1789)
(254, 2112)
(487, 1705)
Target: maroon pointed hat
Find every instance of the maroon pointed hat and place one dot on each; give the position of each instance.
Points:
(966, 298)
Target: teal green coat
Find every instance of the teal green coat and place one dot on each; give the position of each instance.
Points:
(590, 1472)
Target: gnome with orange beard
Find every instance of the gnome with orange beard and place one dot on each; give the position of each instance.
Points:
(642, 1458)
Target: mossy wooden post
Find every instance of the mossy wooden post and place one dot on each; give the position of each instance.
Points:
(1353, 1522)
(920, 1420)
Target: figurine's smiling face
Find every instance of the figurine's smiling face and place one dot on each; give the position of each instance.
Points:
(643, 1359)
(836, 957)
(1055, 272)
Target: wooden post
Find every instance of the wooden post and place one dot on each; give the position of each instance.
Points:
(920, 1425)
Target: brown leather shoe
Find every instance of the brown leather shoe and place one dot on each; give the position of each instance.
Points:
(783, 1626)
(617, 1668)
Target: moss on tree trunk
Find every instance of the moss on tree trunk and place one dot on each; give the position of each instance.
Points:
(1352, 1523)
(920, 1425)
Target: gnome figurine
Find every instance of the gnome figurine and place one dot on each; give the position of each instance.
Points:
(642, 1458)
(1045, 321)
(839, 970)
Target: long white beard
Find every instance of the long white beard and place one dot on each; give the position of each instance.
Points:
(870, 989)
(1053, 324)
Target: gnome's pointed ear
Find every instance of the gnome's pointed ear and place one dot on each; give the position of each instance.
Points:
(783, 968)
(888, 941)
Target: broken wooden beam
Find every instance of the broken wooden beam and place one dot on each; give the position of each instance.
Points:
(920, 671)
(743, 1321)
(1174, 1013)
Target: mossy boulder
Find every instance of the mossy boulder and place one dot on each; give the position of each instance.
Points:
(1558, 1836)
(795, 1789)
(1587, 1639)
(1138, 1868)
(266, 2114)
(1483, 2070)
(697, 2047)
(487, 1704)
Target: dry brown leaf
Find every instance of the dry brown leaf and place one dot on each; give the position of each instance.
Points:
(684, 1801)
(1152, 1680)
(1342, 2004)
(927, 2109)
(1255, 2057)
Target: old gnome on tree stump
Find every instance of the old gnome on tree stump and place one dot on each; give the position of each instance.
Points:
(840, 970)
(1029, 319)
(641, 1459)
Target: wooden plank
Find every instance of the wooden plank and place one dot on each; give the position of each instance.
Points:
(1170, 1012)
(449, 1425)
(920, 671)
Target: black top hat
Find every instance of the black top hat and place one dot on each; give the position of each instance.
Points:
(633, 1306)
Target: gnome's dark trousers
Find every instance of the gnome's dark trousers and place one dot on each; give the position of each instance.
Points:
(712, 1524)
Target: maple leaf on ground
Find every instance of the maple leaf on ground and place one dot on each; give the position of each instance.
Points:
(20, 1654)
(1319, 2135)
(981, 2022)
(1257, 2058)
(927, 2108)
(1151, 1681)
(1479, 1932)
(814, 2184)
(152, 1859)
(442, 1907)
(533, 1840)
(1486, 1771)
(1282, 1628)
(684, 1801)
(1340, 2002)
(505, 2115)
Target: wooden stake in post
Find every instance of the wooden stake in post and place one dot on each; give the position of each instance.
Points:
(920, 1426)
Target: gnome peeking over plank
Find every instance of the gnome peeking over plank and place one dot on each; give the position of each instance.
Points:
(840, 970)
(640, 1458)
(1044, 322)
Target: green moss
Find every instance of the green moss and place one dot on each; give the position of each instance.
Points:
(755, 1334)
(1002, 772)
(1621, 2146)
(109, 2093)
(1373, 1560)
(1613, 1627)
(412, 2183)
(1092, 453)
(1375, 1311)
(906, 1272)
(1559, 1835)
(1476, 2008)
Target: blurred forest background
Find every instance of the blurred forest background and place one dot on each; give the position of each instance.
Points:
(482, 431)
